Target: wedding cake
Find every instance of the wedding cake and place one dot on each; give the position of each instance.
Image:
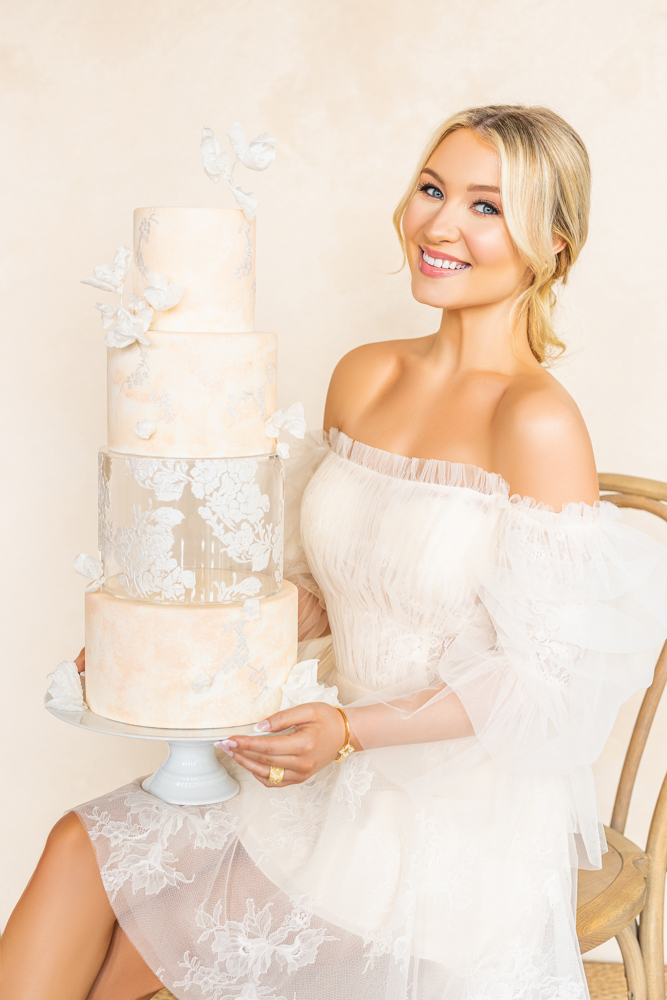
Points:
(189, 623)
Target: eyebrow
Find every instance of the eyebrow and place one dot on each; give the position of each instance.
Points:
(471, 187)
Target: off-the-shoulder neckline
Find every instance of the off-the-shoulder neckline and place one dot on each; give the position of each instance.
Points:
(440, 472)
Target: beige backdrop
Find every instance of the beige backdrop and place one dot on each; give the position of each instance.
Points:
(102, 105)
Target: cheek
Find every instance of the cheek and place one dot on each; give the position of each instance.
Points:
(492, 247)
(414, 219)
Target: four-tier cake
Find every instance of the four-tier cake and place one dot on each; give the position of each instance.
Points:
(192, 625)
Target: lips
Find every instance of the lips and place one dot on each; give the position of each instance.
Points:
(435, 264)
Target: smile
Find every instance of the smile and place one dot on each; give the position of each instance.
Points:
(444, 264)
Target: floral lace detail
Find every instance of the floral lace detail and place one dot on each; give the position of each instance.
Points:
(144, 552)
(298, 817)
(147, 861)
(167, 477)
(354, 782)
(517, 975)
(247, 949)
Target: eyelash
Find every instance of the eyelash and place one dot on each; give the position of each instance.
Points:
(479, 201)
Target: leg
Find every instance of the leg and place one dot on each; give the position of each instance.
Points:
(124, 975)
(59, 933)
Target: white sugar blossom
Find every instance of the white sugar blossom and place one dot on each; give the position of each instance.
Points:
(258, 154)
(283, 449)
(302, 687)
(127, 329)
(109, 314)
(111, 278)
(145, 429)
(216, 164)
(65, 693)
(161, 293)
(291, 419)
(142, 312)
(92, 569)
(246, 202)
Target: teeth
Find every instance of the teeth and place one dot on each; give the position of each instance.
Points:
(450, 265)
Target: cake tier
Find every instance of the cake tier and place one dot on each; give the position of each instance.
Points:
(189, 667)
(210, 252)
(191, 531)
(199, 395)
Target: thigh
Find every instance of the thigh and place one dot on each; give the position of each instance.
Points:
(124, 975)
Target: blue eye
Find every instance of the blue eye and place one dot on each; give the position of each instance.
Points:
(432, 191)
(487, 208)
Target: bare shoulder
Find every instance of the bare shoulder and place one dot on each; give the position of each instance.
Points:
(541, 445)
(361, 376)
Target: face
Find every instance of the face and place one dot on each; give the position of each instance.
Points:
(458, 246)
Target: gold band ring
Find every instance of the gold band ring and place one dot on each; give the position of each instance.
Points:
(276, 775)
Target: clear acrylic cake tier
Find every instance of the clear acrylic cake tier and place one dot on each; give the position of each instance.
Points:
(190, 531)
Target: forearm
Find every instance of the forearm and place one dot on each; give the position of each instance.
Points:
(425, 717)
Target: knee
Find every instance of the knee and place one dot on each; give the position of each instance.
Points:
(68, 839)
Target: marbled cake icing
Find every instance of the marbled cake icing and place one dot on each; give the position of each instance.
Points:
(148, 664)
(209, 394)
(211, 253)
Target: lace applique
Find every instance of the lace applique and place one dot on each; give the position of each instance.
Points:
(298, 817)
(354, 781)
(247, 949)
(147, 861)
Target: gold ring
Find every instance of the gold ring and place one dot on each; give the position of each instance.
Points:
(276, 775)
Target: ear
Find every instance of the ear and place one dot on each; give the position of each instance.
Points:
(559, 245)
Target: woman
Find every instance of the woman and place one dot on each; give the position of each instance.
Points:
(483, 643)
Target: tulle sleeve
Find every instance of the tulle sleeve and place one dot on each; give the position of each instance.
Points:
(568, 617)
(305, 458)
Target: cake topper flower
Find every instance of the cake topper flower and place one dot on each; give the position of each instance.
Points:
(258, 154)
(92, 569)
(65, 693)
(290, 419)
(125, 325)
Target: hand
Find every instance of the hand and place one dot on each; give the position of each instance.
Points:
(319, 733)
(81, 661)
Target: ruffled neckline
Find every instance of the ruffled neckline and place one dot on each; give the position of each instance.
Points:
(440, 472)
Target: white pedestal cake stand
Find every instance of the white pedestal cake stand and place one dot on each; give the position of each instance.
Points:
(191, 774)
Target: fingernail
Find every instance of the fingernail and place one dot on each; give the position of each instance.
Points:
(262, 727)
(225, 744)
(223, 747)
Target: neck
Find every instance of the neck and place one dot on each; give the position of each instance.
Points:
(485, 338)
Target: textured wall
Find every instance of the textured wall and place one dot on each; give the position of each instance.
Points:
(102, 108)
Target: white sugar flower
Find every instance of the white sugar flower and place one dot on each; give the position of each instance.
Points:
(111, 278)
(92, 569)
(246, 202)
(65, 693)
(302, 687)
(258, 154)
(109, 314)
(283, 450)
(290, 419)
(126, 330)
(145, 428)
(161, 293)
(216, 164)
(142, 312)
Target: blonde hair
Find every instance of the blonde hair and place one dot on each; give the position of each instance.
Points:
(545, 185)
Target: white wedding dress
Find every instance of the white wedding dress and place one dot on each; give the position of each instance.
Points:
(424, 867)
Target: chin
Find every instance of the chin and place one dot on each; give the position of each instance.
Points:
(428, 294)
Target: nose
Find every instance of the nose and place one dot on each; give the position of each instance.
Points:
(442, 226)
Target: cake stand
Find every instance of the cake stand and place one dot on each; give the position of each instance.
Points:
(191, 774)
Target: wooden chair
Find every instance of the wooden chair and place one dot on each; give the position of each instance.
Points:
(626, 898)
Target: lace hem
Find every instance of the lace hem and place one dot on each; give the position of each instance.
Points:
(440, 472)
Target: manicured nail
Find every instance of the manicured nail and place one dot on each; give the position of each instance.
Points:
(225, 744)
(262, 727)
(223, 747)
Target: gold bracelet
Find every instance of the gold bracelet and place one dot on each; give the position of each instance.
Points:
(347, 749)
